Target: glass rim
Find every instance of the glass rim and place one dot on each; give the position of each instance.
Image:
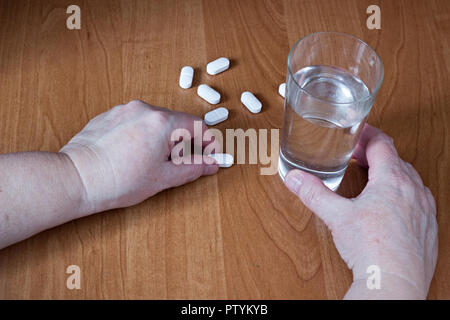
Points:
(370, 95)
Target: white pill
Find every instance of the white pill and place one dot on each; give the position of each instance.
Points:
(224, 160)
(218, 66)
(208, 93)
(251, 102)
(216, 116)
(282, 90)
(186, 76)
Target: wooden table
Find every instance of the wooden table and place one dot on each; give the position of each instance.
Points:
(237, 234)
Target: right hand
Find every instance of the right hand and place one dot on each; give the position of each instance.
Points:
(122, 155)
(391, 224)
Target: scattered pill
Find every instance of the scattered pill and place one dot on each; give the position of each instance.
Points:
(224, 160)
(208, 93)
(217, 66)
(216, 116)
(282, 90)
(251, 102)
(186, 76)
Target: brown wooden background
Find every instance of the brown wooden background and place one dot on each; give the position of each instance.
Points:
(237, 234)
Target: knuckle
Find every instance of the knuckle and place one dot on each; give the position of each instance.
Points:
(402, 181)
(399, 175)
(410, 169)
(387, 153)
(405, 166)
(429, 194)
(389, 140)
(408, 165)
(135, 102)
(115, 112)
(117, 107)
(158, 118)
(136, 105)
(431, 199)
(308, 196)
(391, 154)
(389, 148)
(197, 118)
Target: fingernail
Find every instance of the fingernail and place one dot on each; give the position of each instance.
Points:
(294, 181)
(210, 169)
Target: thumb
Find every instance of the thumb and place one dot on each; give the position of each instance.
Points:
(326, 204)
(190, 169)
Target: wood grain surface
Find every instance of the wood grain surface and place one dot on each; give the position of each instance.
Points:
(236, 235)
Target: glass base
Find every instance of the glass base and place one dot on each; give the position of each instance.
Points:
(331, 179)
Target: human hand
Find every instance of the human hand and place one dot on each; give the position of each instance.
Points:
(391, 224)
(122, 155)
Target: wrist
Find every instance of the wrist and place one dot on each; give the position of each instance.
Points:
(397, 275)
(96, 176)
(391, 287)
(77, 187)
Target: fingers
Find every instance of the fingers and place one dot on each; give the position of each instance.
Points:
(194, 125)
(317, 197)
(188, 171)
(376, 151)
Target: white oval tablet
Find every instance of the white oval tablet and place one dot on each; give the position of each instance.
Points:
(282, 90)
(216, 116)
(186, 76)
(208, 93)
(251, 102)
(217, 66)
(224, 160)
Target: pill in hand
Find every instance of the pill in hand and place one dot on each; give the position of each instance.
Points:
(186, 76)
(251, 102)
(216, 116)
(217, 66)
(282, 90)
(208, 93)
(224, 160)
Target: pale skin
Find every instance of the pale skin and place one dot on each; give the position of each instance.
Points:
(391, 224)
(122, 157)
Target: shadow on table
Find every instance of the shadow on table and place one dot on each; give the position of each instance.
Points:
(354, 181)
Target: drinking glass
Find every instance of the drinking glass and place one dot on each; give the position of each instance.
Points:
(332, 81)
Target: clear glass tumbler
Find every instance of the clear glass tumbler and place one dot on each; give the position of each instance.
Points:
(332, 81)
